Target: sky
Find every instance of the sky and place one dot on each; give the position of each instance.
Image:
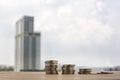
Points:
(81, 32)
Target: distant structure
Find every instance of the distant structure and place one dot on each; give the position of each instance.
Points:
(27, 50)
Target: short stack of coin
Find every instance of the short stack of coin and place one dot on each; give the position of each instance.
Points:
(51, 66)
(85, 71)
(68, 69)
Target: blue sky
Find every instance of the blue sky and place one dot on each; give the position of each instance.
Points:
(83, 32)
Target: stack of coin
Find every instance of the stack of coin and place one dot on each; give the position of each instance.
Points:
(68, 69)
(51, 66)
(85, 71)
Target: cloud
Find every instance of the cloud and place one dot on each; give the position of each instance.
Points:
(5, 52)
(71, 25)
(79, 29)
(69, 28)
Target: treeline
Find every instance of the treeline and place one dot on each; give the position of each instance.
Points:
(6, 68)
(117, 68)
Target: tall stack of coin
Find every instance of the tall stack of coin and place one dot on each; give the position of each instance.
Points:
(51, 66)
(85, 71)
(68, 69)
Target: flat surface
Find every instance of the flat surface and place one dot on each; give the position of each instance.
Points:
(43, 76)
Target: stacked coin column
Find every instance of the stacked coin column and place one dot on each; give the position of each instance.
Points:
(85, 71)
(51, 66)
(68, 69)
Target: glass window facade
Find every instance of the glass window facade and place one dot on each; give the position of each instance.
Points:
(26, 52)
(27, 46)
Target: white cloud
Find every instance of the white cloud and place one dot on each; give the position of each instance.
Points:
(83, 32)
(72, 27)
(6, 48)
(68, 27)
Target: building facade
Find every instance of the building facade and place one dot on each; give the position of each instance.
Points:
(27, 50)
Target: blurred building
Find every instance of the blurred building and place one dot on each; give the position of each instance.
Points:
(27, 45)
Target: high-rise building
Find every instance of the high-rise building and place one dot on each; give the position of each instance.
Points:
(27, 48)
